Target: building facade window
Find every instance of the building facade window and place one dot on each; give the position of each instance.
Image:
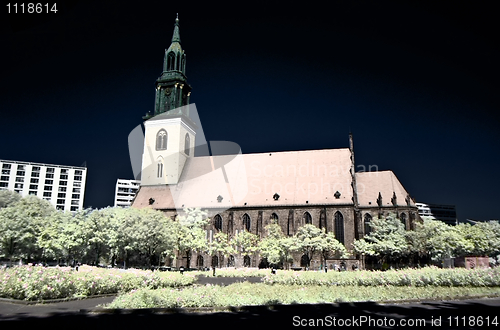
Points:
(307, 218)
(160, 170)
(246, 222)
(274, 218)
(161, 140)
(367, 220)
(403, 220)
(218, 222)
(339, 227)
(186, 144)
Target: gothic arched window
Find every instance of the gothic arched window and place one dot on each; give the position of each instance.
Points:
(403, 220)
(160, 170)
(161, 140)
(339, 227)
(246, 222)
(368, 228)
(307, 218)
(170, 61)
(274, 218)
(218, 222)
(246, 261)
(199, 261)
(186, 144)
(215, 261)
(178, 67)
(183, 63)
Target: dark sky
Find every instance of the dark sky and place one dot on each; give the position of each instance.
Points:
(417, 84)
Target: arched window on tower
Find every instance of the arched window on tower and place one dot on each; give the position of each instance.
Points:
(186, 144)
(403, 220)
(274, 218)
(307, 218)
(161, 140)
(183, 66)
(159, 173)
(170, 61)
(218, 222)
(339, 227)
(246, 222)
(178, 66)
(368, 228)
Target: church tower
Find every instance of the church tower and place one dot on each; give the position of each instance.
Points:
(169, 132)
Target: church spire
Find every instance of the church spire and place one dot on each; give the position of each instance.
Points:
(172, 88)
(176, 37)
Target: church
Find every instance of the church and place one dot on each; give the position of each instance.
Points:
(246, 192)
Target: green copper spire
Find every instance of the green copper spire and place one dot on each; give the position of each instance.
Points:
(172, 88)
(177, 36)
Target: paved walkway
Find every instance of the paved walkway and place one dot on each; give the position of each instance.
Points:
(15, 311)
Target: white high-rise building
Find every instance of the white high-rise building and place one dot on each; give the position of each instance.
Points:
(63, 186)
(125, 192)
(445, 213)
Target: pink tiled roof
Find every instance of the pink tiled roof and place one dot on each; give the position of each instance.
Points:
(299, 177)
(369, 184)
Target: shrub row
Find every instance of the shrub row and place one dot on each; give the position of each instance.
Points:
(41, 283)
(428, 276)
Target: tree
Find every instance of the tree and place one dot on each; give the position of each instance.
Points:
(221, 245)
(98, 229)
(329, 245)
(8, 198)
(245, 242)
(308, 241)
(152, 233)
(191, 235)
(21, 224)
(271, 246)
(387, 239)
(276, 247)
(436, 240)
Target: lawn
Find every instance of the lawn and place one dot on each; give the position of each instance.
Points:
(245, 294)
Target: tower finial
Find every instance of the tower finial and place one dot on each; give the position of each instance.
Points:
(177, 36)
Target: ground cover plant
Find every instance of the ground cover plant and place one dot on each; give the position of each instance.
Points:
(246, 294)
(41, 283)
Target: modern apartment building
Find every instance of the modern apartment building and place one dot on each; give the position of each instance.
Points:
(63, 186)
(125, 192)
(445, 213)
